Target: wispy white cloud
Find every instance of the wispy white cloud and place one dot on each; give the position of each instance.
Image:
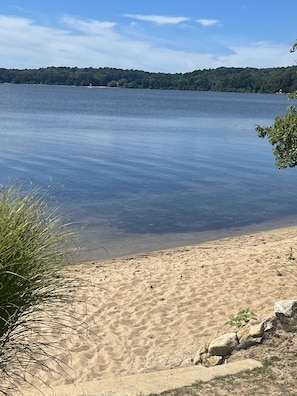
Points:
(159, 19)
(90, 27)
(257, 54)
(208, 22)
(91, 43)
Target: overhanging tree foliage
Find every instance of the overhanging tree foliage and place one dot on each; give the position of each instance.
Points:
(282, 135)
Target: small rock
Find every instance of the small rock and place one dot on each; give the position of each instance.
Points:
(200, 356)
(243, 332)
(249, 342)
(269, 323)
(215, 360)
(187, 362)
(204, 358)
(202, 350)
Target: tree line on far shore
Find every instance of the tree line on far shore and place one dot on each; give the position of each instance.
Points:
(223, 79)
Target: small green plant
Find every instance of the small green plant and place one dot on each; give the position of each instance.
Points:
(242, 318)
(267, 362)
(291, 254)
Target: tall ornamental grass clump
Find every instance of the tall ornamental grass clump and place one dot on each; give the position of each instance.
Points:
(33, 282)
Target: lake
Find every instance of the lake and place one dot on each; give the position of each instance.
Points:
(141, 170)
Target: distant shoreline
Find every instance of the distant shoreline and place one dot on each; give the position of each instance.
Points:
(221, 79)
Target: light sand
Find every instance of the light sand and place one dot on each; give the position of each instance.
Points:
(152, 311)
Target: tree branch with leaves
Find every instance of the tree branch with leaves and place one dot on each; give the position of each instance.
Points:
(282, 135)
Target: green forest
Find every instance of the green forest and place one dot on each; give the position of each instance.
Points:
(223, 79)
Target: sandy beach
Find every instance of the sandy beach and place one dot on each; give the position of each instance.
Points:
(152, 311)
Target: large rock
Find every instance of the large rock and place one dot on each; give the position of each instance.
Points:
(255, 330)
(223, 345)
(287, 308)
(286, 315)
(250, 335)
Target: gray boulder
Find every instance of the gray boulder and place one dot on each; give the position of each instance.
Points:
(286, 315)
(223, 345)
(287, 308)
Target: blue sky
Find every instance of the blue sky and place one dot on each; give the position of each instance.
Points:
(153, 35)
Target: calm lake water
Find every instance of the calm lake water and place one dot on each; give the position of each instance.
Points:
(140, 170)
